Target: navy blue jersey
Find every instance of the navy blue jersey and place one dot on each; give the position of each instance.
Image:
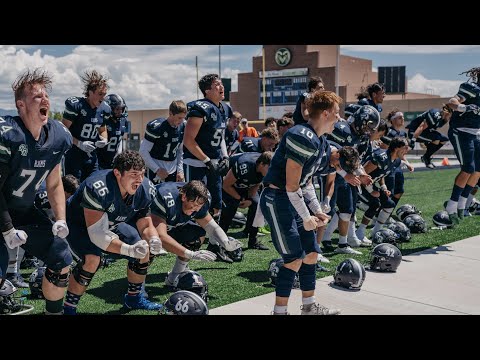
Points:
(297, 114)
(249, 144)
(100, 192)
(244, 168)
(168, 205)
(85, 120)
(30, 161)
(432, 117)
(325, 168)
(370, 102)
(343, 135)
(387, 138)
(115, 129)
(165, 138)
(301, 144)
(383, 159)
(470, 92)
(231, 138)
(212, 130)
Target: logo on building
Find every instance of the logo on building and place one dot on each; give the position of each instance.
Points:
(283, 57)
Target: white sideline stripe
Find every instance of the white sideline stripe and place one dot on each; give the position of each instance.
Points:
(281, 241)
(459, 149)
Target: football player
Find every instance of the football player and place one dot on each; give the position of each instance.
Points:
(31, 149)
(115, 121)
(162, 148)
(463, 134)
(83, 116)
(110, 212)
(180, 215)
(288, 188)
(300, 115)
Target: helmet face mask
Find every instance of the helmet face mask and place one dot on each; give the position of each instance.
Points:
(385, 236)
(366, 120)
(35, 282)
(274, 268)
(401, 230)
(117, 105)
(415, 223)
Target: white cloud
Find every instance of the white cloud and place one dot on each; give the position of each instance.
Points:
(147, 77)
(444, 88)
(414, 49)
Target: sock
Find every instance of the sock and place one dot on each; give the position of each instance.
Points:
(431, 148)
(20, 256)
(351, 229)
(361, 231)
(134, 288)
(178, 268)
(280, 309)
(72, 299)
(342, 240)
(456, 192)
(461, 203)
(377, 227)
(332, 225)
(12, 260)
(469, 201)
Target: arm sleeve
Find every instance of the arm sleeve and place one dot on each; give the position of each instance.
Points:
(145, 148)
(180, 158)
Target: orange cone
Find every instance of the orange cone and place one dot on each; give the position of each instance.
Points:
(445, 162)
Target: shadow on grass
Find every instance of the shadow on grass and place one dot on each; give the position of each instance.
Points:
(255, 276)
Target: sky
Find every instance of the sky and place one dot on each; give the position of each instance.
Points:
(151, 76)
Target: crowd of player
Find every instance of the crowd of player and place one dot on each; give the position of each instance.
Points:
(191, 175)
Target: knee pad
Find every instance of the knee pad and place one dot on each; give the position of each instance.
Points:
(57, 279)
(306, 275)
(371, 212)
(285, 280)
(345, 216)
(83, 277)
(59, 255)
(138, 268)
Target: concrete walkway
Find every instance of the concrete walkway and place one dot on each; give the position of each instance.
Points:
(440, 281)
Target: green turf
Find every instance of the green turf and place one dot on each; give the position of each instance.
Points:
(229, 283)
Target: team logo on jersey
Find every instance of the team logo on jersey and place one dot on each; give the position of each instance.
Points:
(214, 117)
(121, 218)
(111, 208)
(283, 57)
(23, 149)
(83, 112)
(39, 163)
(165, 134)
(349, 138)
(94, 120)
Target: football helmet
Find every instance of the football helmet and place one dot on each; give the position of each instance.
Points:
(239, 219)
(117, 105)
(441, 218)
(185, 302)
(11, 304)
(415, 223)
(349, 274)
(474, 206)
(191, 281)
(351, 109)
(274, 268)
(366, 120)
(401, 230)
(405, 210)
(385, 236)
(385, 257)
(235, 255)
(35, 282)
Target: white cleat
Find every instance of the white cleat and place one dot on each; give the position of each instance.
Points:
(317, 309)
(322, 259)
(346, 250)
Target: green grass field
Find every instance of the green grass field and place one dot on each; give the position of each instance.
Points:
(229, 283)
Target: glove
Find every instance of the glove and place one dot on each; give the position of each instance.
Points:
(14, 238)
(311, 223)
(412, 143)
(211, 167)
(101, 143)
(223, 166)
(60, 229)
(138, 250)
(155, 245)
(232, 244)
(325, 205)
(87, 146)
(202, 255)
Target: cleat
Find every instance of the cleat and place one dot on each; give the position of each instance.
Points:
(139, 302)
(322, 259)
(17, 280)
(257, 246)
(317, 309)
(346, 250)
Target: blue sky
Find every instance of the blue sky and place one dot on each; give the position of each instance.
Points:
(151, 76)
